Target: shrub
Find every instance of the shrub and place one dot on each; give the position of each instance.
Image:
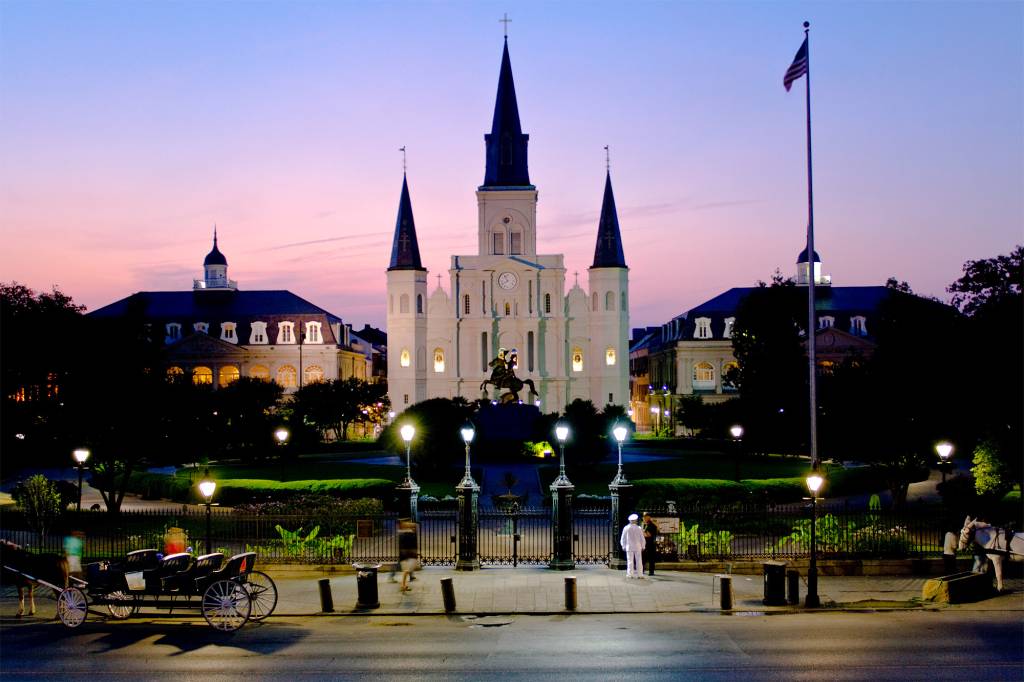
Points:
(39, 498)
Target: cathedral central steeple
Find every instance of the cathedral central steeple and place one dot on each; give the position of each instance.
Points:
(405, 250)
(506, 143)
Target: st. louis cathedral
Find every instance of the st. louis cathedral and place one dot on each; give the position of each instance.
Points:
(507, 296)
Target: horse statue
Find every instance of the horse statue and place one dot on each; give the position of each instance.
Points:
(17, 566)
(503, 376)
(996, 543)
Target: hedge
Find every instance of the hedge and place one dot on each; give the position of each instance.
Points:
(241, 490)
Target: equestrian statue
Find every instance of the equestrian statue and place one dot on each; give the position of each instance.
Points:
(503, 376)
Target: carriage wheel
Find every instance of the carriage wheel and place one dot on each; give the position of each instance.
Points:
(126, 606)
(226, 605)
(263, 593)
(72, 607)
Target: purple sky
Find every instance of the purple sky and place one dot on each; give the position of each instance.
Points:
(128, 129)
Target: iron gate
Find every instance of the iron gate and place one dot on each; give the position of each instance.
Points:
(513, 535)
(591, 530)
(437, 536)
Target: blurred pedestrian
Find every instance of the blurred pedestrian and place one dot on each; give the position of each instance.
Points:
(651, 540)
(632, 541)
(408, 551)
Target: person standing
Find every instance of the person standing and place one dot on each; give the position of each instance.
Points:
(651, 540)
(632, 541)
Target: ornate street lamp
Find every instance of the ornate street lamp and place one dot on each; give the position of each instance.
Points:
(561, 507)
(468, 493)
(408, 431)
(281, 434)
(467, 436)
(814, 482)
(562, 433)
(944, 451)
(620, 432)
(207, 486)
(655, 410)
(736, 431)
(80, 455)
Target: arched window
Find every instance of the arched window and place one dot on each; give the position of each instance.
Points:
(285, 332)
(175, 373)
(498, 242)
(529, 351)
(826, 321)
(173, 332)
(515, 243)
(313, 333)
(729, 369)
(593, 302)
(483, 352)
(405, 359)
(703, 328)
(228, 375)
(529, 294)
(483, 297)
(201, 327)
(703, 376)
(609, 356)
(202, 375)
(438, 360)
(419, 304)
(227, 332)
(547, 303)
(260, 372)
(465, 304)
(859, 325)
(609, 300)
(577, 359)
(312, 374)
(508, 309)
(287, 376)
(403, 303)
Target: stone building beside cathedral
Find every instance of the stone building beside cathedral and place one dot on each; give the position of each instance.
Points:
(506, 295)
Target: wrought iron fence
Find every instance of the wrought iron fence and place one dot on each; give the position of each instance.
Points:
(591, 532)
(509, 536)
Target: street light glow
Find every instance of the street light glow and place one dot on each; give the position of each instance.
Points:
(736, 431)
(408, 431)
(281, 435)
(561, 431)
(655, 410)
(467, 433)
(620, 432)
(945, 450)
(207, 486)
(80, 455)
(814, 482)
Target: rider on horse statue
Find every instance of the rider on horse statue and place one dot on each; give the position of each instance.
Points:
(503, 375)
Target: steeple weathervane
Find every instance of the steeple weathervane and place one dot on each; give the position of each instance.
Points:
(505, 21)
(402, 149)
(607, 159)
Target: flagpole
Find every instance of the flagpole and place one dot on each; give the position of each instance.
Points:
(810, 268)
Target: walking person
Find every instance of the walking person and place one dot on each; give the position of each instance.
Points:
(651, 540)
(632, 542)
(408, 552)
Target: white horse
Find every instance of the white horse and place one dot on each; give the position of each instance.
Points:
(996, 543)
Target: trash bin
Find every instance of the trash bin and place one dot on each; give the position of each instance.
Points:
(774, 583)
(366, 586)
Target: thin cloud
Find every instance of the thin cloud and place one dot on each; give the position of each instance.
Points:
(726, 204)
(327, 240)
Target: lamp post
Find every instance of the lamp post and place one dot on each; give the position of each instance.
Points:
(302, 337)
(944, 451)
(620, 490)
(736, 431)
(281, 434)
(468, 494)
(814, 482)
(80, 455)
(408, 488)
(655, 410)
(207, 486)
(561, 508)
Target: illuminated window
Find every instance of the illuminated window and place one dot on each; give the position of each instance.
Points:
(515, 243)
(228, 375)
(287, 376)
(175, 373)
(859, 325)
(547, 303)
(498, 241)
(729, 370)
(404, 359)
(826, 321)
(508, 309)
(286, 332)
(258, 333)
(202, 375)
(577, 359)
(703, 376)
(826, 367)
(173, 332)
(201, 327)
(403, 303)
(260, 372)
(729, 322)
(314, 333)
(609, 300)
(227, 332)
(438, 360)
(465, 304)
(609, 356)
(703, 329)
(312, 374)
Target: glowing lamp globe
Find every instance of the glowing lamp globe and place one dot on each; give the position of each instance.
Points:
(80, 455)
(620, 433)
(408, 431)
(814, 482)
(945, 450)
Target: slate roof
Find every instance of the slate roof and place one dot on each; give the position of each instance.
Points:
(215, 257)
(608, 251)
(506, 144)
(405, 250)
(802, 258)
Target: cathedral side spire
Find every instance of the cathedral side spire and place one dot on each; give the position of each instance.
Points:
(405, 250)
(608, 251)
(506, 143)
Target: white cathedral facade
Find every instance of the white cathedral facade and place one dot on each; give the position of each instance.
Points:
(506, 295)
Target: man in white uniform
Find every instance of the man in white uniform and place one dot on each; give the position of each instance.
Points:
(633, 542)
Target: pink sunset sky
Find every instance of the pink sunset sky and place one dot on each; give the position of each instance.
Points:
(128, 129)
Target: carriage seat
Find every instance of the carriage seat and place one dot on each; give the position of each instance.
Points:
(237, 566)
(170, 565)
(140, 560)
(188, 581)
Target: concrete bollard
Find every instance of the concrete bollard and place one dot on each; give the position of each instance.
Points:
(326, 600)
(725, 587)
(570, 593)
(793, 586)
(448, 594)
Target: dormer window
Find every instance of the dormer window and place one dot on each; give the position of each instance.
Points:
(173, 332)
(703, 328)
(227, 332)
(826, 322)
(201, 327)
(859, 325)
(258, 333)
(313, 333)
(729, 322)
(286, 332)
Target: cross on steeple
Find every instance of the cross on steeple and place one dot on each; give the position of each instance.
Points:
(439, 281)
(403, 242)
(607, 159)
(609, 239)
(577, 276)
(402, 149)
(505, 21)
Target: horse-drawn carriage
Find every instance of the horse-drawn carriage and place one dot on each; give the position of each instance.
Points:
(228, 592)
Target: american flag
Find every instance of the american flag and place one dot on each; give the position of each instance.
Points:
(797, 68)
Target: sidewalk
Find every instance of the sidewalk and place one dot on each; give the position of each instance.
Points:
(539, 590)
